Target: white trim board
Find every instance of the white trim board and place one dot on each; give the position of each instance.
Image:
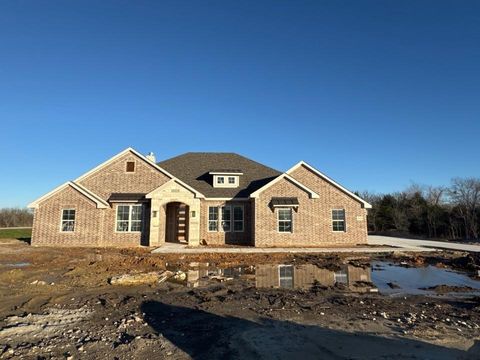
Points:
(101, 204)
(313, 194)
(366, 205)
(133, 151)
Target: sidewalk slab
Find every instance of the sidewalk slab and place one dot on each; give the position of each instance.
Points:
(182, 249)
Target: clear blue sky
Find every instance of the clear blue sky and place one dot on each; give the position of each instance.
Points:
(376, 94)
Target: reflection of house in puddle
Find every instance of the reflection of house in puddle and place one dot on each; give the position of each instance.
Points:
(200, 274)
(282, 276)
(305, 276)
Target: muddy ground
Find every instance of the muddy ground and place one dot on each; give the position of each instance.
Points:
(58, 304)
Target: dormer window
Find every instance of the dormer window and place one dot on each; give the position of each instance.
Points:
(226, 178)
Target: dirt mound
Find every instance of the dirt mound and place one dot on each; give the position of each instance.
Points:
(445, 289)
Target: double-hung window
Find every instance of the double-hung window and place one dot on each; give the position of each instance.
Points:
(285, 220)
(129, 218)
(226, 218)
(213, 218)
(68, 220)
(285, 276)
(338, 220)
(230, 216)
(238, 218)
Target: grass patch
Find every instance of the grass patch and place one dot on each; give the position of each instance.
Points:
(15, 233)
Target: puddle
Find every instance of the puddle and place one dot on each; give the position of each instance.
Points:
(16, 265)
(281, 276)
(411, 280)
(376, 278)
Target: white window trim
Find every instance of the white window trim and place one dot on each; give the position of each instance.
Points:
(220, 217)
(280, 277)
(278, 220)
(226, 183)
(129, 231)
(217, 221)
(220, 212)
(74, 221)
(344, 221)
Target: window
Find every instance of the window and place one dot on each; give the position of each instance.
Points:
(226, 218)
(238, 218)
(68, 220)
(285, 276)
(212, 218)
(338, 220)
(285, 220)
(225, 180)
(129, 218)
(340, 277)
(130, 166)
(228, 221)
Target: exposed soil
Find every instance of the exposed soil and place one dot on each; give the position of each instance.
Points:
(445, 289)
(59, 304)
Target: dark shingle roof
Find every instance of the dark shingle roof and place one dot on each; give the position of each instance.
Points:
(193, 169)
(284, 201)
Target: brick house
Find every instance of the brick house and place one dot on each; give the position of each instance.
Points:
(198, 198)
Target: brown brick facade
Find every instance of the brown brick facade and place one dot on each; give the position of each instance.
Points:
(96, 226)
(114, 179)
(312, 221)
(220, 237)
(88, 223)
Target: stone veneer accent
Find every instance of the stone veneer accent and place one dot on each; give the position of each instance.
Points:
(312, 222)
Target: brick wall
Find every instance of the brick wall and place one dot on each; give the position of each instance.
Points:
(220, 237)
(47, 220)
(333, 198)
(96, 227)
(114, 179)
(312, 222)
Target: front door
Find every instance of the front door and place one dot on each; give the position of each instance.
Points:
(177, 222)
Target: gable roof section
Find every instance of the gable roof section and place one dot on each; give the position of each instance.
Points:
(365, 204)
(194, 168)
(101, 204)
(133, 151)
(313, 194)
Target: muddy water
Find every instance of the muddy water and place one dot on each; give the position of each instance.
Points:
(374, 278)
(414, 280)
(16, 265)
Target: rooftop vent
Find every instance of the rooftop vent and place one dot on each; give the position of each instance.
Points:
(151, 156)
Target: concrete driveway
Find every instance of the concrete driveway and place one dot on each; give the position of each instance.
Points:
(412, 243)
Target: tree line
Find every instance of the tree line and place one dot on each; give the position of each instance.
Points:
(15, 217)
(448, 212)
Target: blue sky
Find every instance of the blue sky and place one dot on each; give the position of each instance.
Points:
(376, 94)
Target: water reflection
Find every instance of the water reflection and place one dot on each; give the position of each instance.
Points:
(307, 275)
(283, 276)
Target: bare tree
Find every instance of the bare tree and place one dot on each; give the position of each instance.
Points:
(15, 217)
(465, 195)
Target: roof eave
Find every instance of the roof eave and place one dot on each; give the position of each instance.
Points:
(365, 204)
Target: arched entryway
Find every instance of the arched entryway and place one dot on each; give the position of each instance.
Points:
(177, 222)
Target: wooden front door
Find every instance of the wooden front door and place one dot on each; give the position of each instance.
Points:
(177, 223)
